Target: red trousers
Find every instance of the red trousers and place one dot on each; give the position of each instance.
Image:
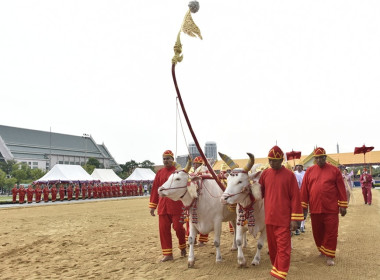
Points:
(367, 195)
(46, 197)
(69, 195)
(164, 224)
(279, 246)
(14, 198)
(325, 232)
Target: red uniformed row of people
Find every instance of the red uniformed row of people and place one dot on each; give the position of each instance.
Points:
(88, 190)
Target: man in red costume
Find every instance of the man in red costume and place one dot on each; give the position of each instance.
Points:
(53, 193)
(323, 191)
(61, 192)
(21, 194)
(283, 211)
(46, 192)
(89, 190)
(69, 192)
(77, 191)
(366, 182)
(38, 192)
(29, 193)
(95, 190)
(169, 211)
(14, 193)
(84, 190)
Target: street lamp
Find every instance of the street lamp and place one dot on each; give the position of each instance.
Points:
(85, 135)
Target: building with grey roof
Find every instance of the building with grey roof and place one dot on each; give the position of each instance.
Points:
(44, 149)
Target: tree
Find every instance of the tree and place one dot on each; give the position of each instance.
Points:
(7, 166)
(147, 164)
(89, 168)
(20, 171)
(36, 174)
(128, 168)
(93, 161)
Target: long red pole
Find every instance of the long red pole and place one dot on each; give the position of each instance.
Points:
(192, 131)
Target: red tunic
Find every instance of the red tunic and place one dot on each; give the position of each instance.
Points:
(366, 182)
(14, 192)
(77, 191)
(84, 190)
(21, 196)
(69, 192)
(61, 193)
(29, 194)
(46, 192)
(53, 193)
(38, 192)
(281, 196)
(323, 190)
(165, 205)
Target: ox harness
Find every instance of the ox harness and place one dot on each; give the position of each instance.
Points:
(245, 213)
(193, 205)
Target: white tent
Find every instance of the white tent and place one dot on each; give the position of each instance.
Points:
(141, 174)
(66, 174)
(105, 175)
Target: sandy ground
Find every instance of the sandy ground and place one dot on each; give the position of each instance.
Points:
(118, 239)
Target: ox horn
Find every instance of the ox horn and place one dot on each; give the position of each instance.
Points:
(250, 163)
(188, 165)
(228, 161)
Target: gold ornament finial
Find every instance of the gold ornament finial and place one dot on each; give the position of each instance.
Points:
(188, 27)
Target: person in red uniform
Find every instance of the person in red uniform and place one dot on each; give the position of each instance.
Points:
(169, 211)
(95, 190)
(104, 190)
(90, 190)
(283, 211)
(108, 190)
(203, 238)
(323, 191)
(14, 193)
(29, 193)
(38, 192)
(21, 194)
(84, 190)
(46, 192)
(366, 182)
(77, 191)
(61, 192)
(69, 192)
(53, 193)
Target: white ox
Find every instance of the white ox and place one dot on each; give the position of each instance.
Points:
(248, 196)
(202, 198)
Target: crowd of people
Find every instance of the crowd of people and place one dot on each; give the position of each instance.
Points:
(53, 192)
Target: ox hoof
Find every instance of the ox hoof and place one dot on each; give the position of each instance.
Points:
(233, 249)
(190, 264)
(254, 262)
